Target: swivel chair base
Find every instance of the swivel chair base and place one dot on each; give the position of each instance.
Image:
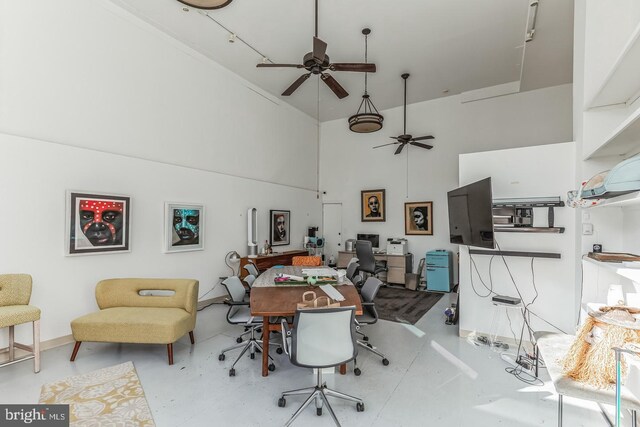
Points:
(319, 393)
(367, 346)
(253, 345)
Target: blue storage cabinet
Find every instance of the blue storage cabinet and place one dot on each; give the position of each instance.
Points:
(439, 271)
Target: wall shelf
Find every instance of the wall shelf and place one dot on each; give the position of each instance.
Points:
(621, 85)
(558, 230)
(631, 199)
(515, 253)
(629, 270)
(623, 140)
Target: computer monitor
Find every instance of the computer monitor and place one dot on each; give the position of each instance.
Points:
(373, 238)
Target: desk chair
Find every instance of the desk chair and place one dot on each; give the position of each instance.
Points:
(15, 293)
(369, 317)
(320, 338)
(240, 314)
(352, 273)
(251, 268)
(366, 259)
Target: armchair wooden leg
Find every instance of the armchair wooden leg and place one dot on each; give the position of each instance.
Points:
(75, 351)
(193, 340)
(11, 343)
(170, 353)
(36, 345)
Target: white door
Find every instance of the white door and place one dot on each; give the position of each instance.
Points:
(332, 229)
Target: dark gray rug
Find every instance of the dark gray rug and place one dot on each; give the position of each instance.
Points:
(404, 305)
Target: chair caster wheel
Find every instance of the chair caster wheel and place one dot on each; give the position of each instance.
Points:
(369, 345)
(272, 367)
(221, 357)
(365, 338)
(385, 362)
(279, 350)
(253, 355)
(238, 340)
(318, 411)
(360, 407)
(281, 402)
(357, 372)
(232, 372)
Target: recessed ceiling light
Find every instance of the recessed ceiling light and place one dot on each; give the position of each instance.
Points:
(206, 4)
(185, 9)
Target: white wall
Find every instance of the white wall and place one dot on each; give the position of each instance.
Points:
(540, 171)
(349, 164)
(96, 100)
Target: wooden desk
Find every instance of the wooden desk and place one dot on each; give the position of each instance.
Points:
(264, 262)
(267, 299)
(398, 265)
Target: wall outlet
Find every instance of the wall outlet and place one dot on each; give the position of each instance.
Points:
(587, 229)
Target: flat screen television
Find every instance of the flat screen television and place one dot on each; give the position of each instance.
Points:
(373, 238)
(471, 215)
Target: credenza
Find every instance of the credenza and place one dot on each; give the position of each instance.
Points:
(398, 265)
(264, 262)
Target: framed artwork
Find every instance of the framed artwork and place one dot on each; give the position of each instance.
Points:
(279, 226)
(97, 223)
(183, 227)
(418, 218)
(373, 206)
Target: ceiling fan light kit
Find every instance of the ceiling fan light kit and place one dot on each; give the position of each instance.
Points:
(367, 119)
(206, 4)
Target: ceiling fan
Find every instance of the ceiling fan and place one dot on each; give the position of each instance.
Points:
(317, 62)
(405, 138)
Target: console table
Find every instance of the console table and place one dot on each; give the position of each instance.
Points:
(398, 265)
(264, 262)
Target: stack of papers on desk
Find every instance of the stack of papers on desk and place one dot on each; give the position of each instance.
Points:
(319, 272)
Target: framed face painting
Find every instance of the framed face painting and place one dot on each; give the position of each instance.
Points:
(184, 227)
(96, 223)
(418, 218)
(279, 227)
(373, 204)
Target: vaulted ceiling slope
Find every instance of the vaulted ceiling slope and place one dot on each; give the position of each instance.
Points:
(448, 46)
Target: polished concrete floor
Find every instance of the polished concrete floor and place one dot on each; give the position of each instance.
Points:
(435, 379)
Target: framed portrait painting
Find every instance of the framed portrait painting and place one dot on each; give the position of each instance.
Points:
(372, 206)
(280, 225)
(183, 227)
(97, 223)
(418, 218)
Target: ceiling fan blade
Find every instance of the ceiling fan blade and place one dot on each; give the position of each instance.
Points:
(418, 144)
(279, 65)
(334, 85)
(422, 138)
(296, 84)
(399, 149)
(319, 50)
(384, 145)
(353, 66)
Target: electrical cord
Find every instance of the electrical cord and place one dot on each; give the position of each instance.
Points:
(472, 263)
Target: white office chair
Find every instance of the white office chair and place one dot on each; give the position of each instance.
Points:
(240, 314)
(320, 338)
(251, 269)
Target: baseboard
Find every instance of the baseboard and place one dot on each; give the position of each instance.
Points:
(206, 302)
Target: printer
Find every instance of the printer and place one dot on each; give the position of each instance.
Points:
(397, 246)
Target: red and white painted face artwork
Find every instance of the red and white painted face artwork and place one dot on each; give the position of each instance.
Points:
(101, 221)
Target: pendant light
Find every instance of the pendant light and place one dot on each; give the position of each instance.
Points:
(367, 119)
(206, 4)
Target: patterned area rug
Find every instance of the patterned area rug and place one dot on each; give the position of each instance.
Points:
(404, 305)
(106, 397)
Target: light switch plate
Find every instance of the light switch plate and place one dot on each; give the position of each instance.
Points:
(587, 229)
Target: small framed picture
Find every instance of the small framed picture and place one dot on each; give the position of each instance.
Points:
(96, 223)
(184, 227)
(280, 225)
(418, 218)
(373, 206)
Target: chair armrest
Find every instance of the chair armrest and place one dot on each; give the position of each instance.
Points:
(229, 302)
(368, 304)
(286, 333)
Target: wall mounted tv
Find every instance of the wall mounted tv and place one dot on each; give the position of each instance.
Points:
(471, 215)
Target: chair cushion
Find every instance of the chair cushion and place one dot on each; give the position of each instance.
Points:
(151, 325)
(242, 315)
(16, 314)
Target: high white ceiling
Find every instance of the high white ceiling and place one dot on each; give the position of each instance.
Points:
(446, 45)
